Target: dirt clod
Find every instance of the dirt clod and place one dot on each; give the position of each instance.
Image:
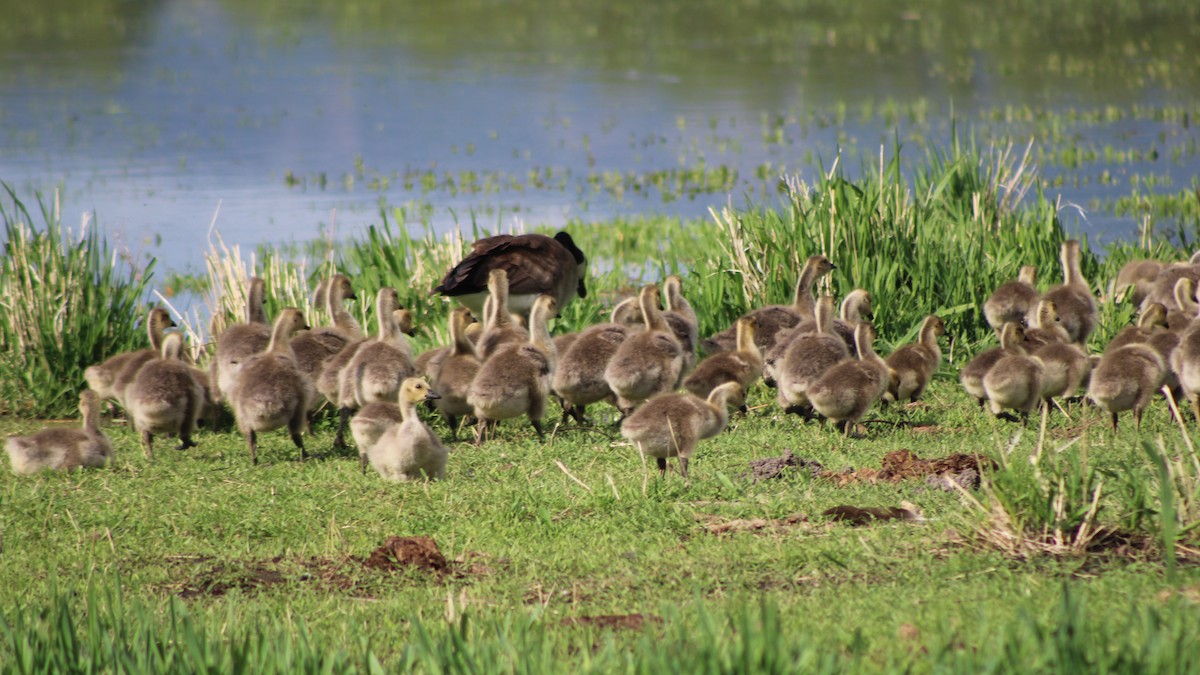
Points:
(904, 464)
(855, 515)
(773, 467)
(404, 552)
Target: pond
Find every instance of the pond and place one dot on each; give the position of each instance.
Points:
(282, 121)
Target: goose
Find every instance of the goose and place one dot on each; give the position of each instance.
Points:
(410, 450)
(454, 373)
(807, 358)
(1140, 276)
(1185, 308)
(1073, 298)
(101, 378)
(1012, 300)
(534, 263)
(845, 392)
(499, 327)
(63, 449)
(239, 342)
(369, 424)
(516, 380)
(913, 365)
(744, 365)
(773, 318)
(166, 396)
(270, 391)
(1015, 380)
(681, 318)
(579, 376)
(671, 424)
(314, 347)
(338, 382)
(855, 308)
(1185, 363)
(1127, 378)
(971, 376)
(379, 366)
(1045, 325)
(647, 362)
(1152, 320)
(1065, 368)
(1167, 279)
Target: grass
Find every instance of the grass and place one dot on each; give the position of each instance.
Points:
(256, 561)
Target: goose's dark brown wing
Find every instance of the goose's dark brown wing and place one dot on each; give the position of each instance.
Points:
(534, 263)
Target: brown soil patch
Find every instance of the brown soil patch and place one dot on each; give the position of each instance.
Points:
(717, 525)
(774, 467)
(902, 465)
(404, 552)
(854, 515)
(356, 574)
(613, 621)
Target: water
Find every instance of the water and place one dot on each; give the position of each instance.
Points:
(286, 121)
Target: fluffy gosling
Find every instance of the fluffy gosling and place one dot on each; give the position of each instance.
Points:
(166, 397)
(1127, 378)
(63, 449)
(410, 450)
(846, 391)
(270, 391)
(670, 424)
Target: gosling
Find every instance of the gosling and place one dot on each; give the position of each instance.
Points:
(670, 424)
(499, 329)
(1073, 298)
(744, 365)
(1127, 378)
(913, 365)
(1012, 300)
(972, 374)
(516, 380)
(270, 391)
(1015, 380)
(410, 450)
(579, 376)
(773, 318)
(648, 362)
(369, 424)
(102, 377)
(63, 449)
(167, 396)
(845, 392)
(807, 358)
(454, 373)
(239, 342)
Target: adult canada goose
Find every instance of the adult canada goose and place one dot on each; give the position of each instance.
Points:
(845, 392)
(410, 450)
(516, 380)
(971, 376)
(239, 342)
(681, 319)
(647, 362)
(1012, 300)
(499, 329)
(913, 365)
(166, 396)
(1127, 378)
(369, 424)
(314, 347)
(579, 376)
(743, 365)
(535, 264)
(102, 377)
(670, 424)
(270, 391)
(1015, 380)
(454, 373)
(63, 449)
(1138, 276)
(807, 358)
(773, 318)
(1073, 298)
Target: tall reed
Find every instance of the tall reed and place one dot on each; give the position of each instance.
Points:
(67, 301)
